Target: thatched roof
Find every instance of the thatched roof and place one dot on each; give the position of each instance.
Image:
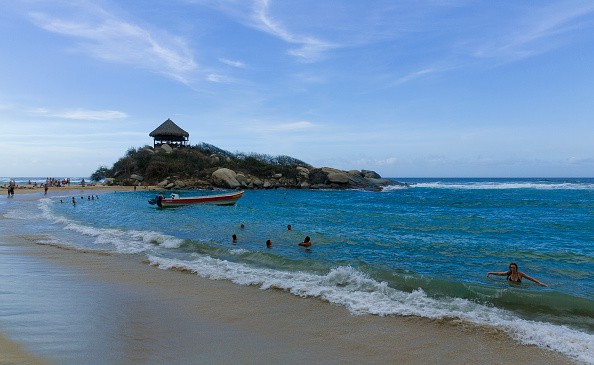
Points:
(169, 129)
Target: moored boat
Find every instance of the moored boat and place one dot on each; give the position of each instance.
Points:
(216, 199)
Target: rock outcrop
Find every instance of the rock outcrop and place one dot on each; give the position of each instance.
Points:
(316, 178)
(226, 178)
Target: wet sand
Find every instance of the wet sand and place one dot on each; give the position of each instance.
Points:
(132, 313)
(78, 189)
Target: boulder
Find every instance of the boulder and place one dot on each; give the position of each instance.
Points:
(166, 148)
(214, 159)
(163, 183)
(136, 177)
(302, 171)
(338, 178)
(317, 177)
(243, 181)
(370, 174)
(226, 178)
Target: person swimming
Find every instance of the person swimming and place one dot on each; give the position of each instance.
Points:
(306, 242)
(514, 276)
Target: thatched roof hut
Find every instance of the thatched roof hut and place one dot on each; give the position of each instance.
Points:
(169, 133)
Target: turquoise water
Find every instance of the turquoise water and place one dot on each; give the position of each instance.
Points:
(423, 250)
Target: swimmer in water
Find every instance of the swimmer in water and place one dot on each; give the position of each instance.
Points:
(306, 242)
(514, 275)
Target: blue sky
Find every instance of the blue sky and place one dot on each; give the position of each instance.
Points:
(405, 88)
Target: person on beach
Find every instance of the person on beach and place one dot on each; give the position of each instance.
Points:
(306, 242)
(11, 186)
(268, 244)
(234, 238)
(514, 275)
(73, 201)
(45, 189)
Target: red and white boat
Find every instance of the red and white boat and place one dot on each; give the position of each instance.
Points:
(216, 199)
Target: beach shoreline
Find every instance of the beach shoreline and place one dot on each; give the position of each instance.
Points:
(68, 189)
(178, 317)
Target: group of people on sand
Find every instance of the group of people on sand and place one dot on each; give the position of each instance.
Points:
(306, 241)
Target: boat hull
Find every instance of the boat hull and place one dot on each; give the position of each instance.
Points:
(218, 199)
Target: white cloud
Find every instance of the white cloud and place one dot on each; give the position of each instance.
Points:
(310, 48)
(82, 114)
(236, 64)
(219, 79)
(106, 37)
(536, 32)
(290, 127)
(415, 75)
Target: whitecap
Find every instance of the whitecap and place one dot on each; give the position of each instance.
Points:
(361, 294)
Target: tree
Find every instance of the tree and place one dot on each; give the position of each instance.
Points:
(100, 174)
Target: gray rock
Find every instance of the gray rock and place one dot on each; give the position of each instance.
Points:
(302, 171)
(370, 174)
(338, 178)
(226, 178)
(136, 177)
(166, 148)
(317, 177)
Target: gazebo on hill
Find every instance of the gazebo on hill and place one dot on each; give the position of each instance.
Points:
(169, 133)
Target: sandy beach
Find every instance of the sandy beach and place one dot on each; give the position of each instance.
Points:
(130, 312)
(66, 189)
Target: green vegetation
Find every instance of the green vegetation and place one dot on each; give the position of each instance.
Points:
(194, 162)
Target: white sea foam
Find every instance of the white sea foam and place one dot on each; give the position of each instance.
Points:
(238, 251)
(361, 294)
(503, 185)
(124, 241)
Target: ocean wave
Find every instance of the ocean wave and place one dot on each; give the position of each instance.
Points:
(124, 241)
(502, 185)
(361, 294)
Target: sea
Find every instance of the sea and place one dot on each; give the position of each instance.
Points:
(422, 250)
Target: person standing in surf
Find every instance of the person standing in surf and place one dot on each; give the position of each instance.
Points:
(514, 275)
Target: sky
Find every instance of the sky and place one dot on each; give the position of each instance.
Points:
(425, 88)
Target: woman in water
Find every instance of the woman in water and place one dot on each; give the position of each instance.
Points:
(306, 242)
(514, 275)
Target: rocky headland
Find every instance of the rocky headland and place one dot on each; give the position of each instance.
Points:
(207, 166)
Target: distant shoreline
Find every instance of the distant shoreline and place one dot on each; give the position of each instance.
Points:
(30, 189)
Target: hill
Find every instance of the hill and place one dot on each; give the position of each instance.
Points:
(206, 166)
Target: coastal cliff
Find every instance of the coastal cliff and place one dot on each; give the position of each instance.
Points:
(207, 166)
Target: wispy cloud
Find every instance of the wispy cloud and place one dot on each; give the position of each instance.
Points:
(236, 64)
(81, 114)
(219, 79)
(537, 32)
(310, 48)
(415, 75)
(285, 127)
(106, 37)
